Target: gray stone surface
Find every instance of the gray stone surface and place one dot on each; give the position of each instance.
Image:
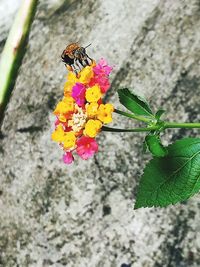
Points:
(82, 215)
(7, 12)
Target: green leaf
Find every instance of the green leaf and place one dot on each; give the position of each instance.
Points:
(159, 113)
(154, 145)
(134, 103)
(173, 178)
(144, 147)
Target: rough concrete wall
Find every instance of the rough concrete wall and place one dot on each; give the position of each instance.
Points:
(7, 12)
(82, 215)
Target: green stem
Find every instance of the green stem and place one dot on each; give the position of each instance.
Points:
(167, 125)
(181, 125)
(133, 116)
(14, 51)
(147, 129)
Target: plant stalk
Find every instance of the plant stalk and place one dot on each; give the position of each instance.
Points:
(147, 129)
(133, 116)
(167, 125)
(14, 51)
(181, 125)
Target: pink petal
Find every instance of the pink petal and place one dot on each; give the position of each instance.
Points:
(57, 122)
(68, 158)
(86, 147)
(78, 93)
(102, 68)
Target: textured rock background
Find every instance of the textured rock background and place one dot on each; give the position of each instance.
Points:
(82, 215)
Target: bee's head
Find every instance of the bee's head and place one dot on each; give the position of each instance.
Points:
(81, 50)
(80, 53)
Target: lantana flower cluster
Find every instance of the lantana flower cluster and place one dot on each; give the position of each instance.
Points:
(81, 113)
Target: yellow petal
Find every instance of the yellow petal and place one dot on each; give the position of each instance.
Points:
(69, 140)
(58, 134)
(91, 109)
(86, 74)
(93, 94)
(104, 113)
(92, 128)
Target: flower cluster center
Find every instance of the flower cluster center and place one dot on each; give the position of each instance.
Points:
(78, 119)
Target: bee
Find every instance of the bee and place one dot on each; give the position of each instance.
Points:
(74, 56)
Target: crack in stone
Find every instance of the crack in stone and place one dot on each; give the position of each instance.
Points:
(30, 129)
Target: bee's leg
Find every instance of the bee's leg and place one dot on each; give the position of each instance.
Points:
(90, 60)
(77, 61)
(75, 70)
(87, 62)
(69, 67)
(81, 62)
